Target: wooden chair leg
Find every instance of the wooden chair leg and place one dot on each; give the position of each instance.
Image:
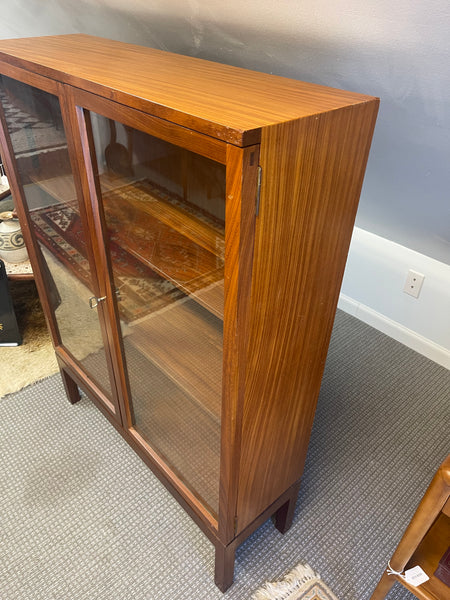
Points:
(224, 567)
(383, 587)
(285, 514)
(72, 391)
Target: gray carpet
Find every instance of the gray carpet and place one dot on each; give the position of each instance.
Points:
(81, 517)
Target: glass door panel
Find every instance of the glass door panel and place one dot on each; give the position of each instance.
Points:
(164, 210)
(39, 143)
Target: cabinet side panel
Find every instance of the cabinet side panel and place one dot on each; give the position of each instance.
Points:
(313, 171)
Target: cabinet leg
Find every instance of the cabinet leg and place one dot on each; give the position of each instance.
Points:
(72, 391)
(383, 587)
(224, 567)
(285, 514)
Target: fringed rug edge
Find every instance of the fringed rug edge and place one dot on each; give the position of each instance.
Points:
(292, 584)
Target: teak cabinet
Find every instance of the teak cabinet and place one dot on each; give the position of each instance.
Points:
(188, 224)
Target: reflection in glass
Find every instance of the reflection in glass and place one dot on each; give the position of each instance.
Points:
(39, 143)
(164, 209)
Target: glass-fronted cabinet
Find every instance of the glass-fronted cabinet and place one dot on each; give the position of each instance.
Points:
(188, 225)
(162, 214)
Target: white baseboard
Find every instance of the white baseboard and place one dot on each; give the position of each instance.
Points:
(372, 291)
(398, 332)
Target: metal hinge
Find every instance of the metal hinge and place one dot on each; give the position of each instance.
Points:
(258, 189)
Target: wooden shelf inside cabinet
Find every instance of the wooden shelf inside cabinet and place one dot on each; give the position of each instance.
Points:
(182, 245)
(194, 364)
(141, 208)
(184, 434)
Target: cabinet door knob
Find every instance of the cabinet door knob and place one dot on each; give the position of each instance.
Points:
(94, 302)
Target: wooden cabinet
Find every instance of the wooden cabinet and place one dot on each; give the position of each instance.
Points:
(188, 225)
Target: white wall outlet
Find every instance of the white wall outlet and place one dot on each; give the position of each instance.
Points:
(413, 283)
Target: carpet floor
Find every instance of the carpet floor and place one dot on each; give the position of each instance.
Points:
(82, 517)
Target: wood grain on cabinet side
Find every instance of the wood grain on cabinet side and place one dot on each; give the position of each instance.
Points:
(242, 165)
(313, 171)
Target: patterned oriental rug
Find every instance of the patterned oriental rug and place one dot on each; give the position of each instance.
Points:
(302, 583)
(141, 290)
(32, 135)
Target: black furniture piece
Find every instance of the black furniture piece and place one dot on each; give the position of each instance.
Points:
(9, 330)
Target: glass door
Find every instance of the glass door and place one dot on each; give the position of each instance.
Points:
(163, 208)
(36, 131)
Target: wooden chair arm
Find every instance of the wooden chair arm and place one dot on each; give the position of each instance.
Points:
(434, 501)
(428, 510)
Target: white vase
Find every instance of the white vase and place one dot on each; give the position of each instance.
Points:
(12, 244)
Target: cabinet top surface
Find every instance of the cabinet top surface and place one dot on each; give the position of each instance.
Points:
(227, 102)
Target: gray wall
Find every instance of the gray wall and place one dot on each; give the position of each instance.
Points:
(399, 51)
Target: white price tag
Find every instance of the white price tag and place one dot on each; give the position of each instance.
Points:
(415, 576)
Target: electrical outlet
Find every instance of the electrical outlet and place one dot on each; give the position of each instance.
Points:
(413, 283)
